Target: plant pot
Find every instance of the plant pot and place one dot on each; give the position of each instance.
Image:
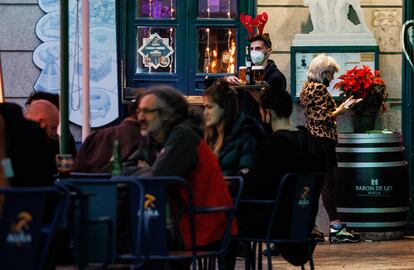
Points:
(364, 122)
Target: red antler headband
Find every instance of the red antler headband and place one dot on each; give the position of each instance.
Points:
(249, 23)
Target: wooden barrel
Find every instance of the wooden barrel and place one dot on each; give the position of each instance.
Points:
(372, 184)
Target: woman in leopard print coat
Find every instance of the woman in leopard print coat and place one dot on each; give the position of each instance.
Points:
(320, 114)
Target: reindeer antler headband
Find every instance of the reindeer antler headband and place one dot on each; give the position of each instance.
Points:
(249, 23)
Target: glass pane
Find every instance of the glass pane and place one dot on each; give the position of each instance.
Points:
(155, 49)
(217, 50)
(159, 9)
(217, 9)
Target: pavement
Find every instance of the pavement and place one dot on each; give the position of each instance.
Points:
(367, 255)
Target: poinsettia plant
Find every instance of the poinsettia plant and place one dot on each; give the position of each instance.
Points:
(365, 84)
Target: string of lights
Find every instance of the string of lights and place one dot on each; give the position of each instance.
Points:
(231, 44)
(208, 49)
(171, 36)
(208, 39)
(150, 28)
(229, 35)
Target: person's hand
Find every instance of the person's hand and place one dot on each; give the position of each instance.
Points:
(350, 102)
(347, 104)
(233, 80)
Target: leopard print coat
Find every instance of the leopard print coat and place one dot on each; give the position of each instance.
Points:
(319, 107)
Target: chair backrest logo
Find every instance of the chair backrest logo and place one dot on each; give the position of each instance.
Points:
(20, 230)
(304, 197)
(150, 209)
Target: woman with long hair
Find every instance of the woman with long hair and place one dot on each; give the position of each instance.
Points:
(229, 133)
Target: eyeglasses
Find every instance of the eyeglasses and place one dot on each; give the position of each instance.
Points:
(147, 111)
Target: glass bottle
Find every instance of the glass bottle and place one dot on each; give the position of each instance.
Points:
(248, 61)
(116, 159)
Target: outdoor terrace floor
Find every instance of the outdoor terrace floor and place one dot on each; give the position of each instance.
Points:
(384, 255)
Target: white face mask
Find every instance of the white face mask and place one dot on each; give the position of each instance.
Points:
(257, 57)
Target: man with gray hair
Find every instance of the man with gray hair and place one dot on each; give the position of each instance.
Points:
(181, 151)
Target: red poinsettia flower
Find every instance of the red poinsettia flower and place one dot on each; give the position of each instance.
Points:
(366, 84)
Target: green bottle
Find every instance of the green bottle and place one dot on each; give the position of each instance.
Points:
(116, 159)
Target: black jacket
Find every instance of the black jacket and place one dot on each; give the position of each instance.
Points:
(27, 146)
(274, 77)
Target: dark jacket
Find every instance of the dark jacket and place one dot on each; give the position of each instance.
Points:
(239, 145)
(282, 152)
(274, 77)
(96, 151)
(279, 153)
(249, 106)
(186, 154)
(27, 146)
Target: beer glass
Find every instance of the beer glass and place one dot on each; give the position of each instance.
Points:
(242, 73)
(258, 74)
(64, 163)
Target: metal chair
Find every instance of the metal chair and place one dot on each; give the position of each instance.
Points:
(83, 175)
(96, 219)
(292, 218)
(235, 185)
(158, 190)
(29, 220)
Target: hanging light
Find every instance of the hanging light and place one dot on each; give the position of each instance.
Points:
(208, 38)
(172, 55)
(150, 8)
(150, 29)
(214, 62)
(230, 43)
(232, 66)
(172, 10)
(208, 50)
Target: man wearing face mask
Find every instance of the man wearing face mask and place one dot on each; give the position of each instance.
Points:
(260, 50)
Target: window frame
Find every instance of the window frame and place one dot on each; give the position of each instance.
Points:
(186, 78)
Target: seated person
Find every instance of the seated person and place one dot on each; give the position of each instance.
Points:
(164, 118)
(283, 151)
(96, 151)
(54, 99)
(3, 167)
(230, 134)
(3, 180)
(45, 114)
(26, 146)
